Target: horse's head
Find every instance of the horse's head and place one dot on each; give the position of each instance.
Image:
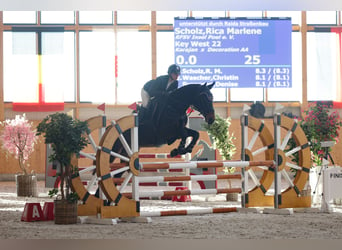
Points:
(204, 103)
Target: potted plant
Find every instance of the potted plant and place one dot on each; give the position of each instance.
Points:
(320, 124)
(18, 139)
(66, 137)
(223, 142)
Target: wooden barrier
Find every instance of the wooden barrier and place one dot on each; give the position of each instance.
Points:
(285, 128)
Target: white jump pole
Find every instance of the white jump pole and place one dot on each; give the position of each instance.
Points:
(244, 142)
(277, 176)
(192, 211)
(135, 148)
(158, 156)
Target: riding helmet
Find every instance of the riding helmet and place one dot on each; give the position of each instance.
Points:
(174, 68)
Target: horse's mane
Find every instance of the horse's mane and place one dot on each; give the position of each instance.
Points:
(190, 87)
(187, 91)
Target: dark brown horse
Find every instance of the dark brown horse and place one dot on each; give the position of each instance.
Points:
(164, 121)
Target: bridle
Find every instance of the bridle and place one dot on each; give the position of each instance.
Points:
(204, 98)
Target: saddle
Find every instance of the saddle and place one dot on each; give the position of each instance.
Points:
(152, 113)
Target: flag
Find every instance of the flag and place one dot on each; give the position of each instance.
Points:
(337, 105)
(133, 106)
(102, 107)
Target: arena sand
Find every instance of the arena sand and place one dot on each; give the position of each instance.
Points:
(236, 225)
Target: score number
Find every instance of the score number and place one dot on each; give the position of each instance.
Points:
(192, 60)
(252, 59)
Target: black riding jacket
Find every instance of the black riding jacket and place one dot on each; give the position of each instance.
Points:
(157, 86)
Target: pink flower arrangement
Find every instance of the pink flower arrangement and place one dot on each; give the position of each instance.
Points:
(18, 139)
(320, 124)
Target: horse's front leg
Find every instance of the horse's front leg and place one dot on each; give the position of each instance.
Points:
(181, 147)
(195, 135)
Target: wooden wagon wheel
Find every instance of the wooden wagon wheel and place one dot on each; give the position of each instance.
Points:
(290, 195)
(119, 205)
(85, 182)
(287, 129)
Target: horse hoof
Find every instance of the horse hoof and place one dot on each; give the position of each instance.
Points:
(189, 150)
(182, 151)
(174, 152)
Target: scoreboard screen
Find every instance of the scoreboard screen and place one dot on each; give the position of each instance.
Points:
(234, 52)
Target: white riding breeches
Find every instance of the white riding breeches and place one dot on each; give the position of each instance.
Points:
(145, 97)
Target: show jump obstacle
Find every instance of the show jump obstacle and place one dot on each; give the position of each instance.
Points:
(286, 130)
(110, 198)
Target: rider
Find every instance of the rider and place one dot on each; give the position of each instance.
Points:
(160, 86)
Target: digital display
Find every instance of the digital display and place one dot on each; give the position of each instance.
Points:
(234, 52)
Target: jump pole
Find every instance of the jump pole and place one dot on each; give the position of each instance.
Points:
(196, 211)
(190, 192)
(158, 156)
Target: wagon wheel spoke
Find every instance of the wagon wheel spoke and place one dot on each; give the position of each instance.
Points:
(254, 177)
(293, 151)
(88, 169)
(286, 139)
(88, 156)
(125, 182)
(123, 140)
(114, 154)
(287, 178)
(92, 182)
(260, 151)
(92, 142)
(293, 166)
(253, 140)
